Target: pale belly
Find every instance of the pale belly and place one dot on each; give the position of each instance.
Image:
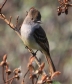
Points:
(28, 38)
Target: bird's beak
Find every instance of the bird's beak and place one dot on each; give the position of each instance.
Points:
(39, 22)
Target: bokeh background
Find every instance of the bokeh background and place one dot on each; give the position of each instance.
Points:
(59, 34)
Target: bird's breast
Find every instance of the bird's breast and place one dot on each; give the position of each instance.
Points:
(26, 32)
(27, 35)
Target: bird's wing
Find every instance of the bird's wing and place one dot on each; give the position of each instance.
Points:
(41, 39)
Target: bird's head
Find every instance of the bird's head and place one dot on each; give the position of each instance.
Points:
(34, 14)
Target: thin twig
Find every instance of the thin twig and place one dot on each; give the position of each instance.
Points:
(3, 5)
(3, 73)
(17, 21)
(7, 78)
(10, 79)
(6, 67)
(37, 79)
(10, 19)
(32, 80)
(26, 73)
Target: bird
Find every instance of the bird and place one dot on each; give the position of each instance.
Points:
(34, 36)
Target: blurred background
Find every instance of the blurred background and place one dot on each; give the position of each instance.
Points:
(59, 34)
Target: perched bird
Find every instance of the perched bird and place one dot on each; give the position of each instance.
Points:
(34, 36)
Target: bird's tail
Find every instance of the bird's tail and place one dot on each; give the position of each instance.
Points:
(50, 63)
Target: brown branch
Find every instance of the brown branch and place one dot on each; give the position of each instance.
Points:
(10, 19)
(26, 73)
(2, 16)
(6, 74)
(10, 79)
(6, 71)
(37, 79)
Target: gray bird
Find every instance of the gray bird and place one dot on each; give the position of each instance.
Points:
(34, 36)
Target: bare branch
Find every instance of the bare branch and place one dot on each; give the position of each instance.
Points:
(26, 73)
(10, 79)
(3, 5)
(17, 21)
(10, 19)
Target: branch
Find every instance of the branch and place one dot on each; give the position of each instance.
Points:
(64, 6)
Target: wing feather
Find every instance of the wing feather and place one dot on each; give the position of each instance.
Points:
(41, 39)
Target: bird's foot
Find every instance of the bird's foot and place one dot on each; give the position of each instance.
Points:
(34, 53)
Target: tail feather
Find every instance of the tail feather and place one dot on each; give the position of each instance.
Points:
(50, 63)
